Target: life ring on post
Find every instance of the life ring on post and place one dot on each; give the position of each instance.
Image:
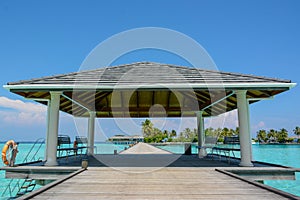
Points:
(8, 157)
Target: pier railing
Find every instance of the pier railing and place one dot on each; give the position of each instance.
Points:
(18, 187)
(34, 150)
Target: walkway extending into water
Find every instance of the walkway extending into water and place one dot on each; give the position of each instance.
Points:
(188, 177)
(146, 183)
(143, 148)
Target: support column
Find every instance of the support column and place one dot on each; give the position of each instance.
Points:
(244, 127)
(53, 119)
(201, 134)
(47, 134)
(91, 133)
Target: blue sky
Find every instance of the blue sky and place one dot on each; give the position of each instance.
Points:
(54, 37)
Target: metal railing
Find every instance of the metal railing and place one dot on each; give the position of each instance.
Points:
(37, 144)
(18, 187)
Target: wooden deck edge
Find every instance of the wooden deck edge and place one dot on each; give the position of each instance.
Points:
(29, 163)
(271, 164)
(50, 185)
(260, 185)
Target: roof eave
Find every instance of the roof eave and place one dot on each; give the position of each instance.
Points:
(236, 86)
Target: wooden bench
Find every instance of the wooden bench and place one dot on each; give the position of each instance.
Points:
(218, 150)
(64, 145)
(82, 142)
(229, 141)
(226, 151)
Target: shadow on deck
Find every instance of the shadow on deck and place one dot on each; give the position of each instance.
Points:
(154, 160)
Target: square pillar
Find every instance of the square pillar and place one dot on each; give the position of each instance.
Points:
(91, 133)
(52, 126)
(201, 134)
(244, 127)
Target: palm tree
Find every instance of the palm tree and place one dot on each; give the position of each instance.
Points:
(237, 131)
(272, 135)
(282, 135)
(209, 131)
(225, 132)
(147, 128)
(187, 133)
(262, 136)
(166, 133)
(297, 131)
(173, 133)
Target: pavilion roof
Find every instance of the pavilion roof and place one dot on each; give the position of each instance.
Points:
(133, 89)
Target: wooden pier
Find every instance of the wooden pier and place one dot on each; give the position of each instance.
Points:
(165, 183)
(187, 178)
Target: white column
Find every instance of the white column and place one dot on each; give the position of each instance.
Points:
(47, 134)
(244, 127)
(52, 134)
(201, 134)
(91, 133)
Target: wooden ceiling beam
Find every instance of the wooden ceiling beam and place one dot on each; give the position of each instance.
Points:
(215, 98)
(79, 102)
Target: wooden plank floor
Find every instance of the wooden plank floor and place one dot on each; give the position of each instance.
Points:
(154, 183)
(145, 172)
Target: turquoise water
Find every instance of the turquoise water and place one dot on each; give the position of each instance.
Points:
(288, 155)
(24, 148)
(108, 148)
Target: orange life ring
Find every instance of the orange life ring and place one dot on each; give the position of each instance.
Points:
(9, 144)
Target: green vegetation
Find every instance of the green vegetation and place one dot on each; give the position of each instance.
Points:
(187, 135)
(276, 136)
(154, 135)
(221, 133)
(297, 131)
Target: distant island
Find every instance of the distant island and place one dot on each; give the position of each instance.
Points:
(154, 135)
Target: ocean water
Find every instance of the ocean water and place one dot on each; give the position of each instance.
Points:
(37, 152)
(288, 155)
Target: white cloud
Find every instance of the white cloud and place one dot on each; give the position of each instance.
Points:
(18, 112)
(21, 106)
(260, 125)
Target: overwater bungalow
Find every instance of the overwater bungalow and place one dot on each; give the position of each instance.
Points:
(122, 139)
(134, 90)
